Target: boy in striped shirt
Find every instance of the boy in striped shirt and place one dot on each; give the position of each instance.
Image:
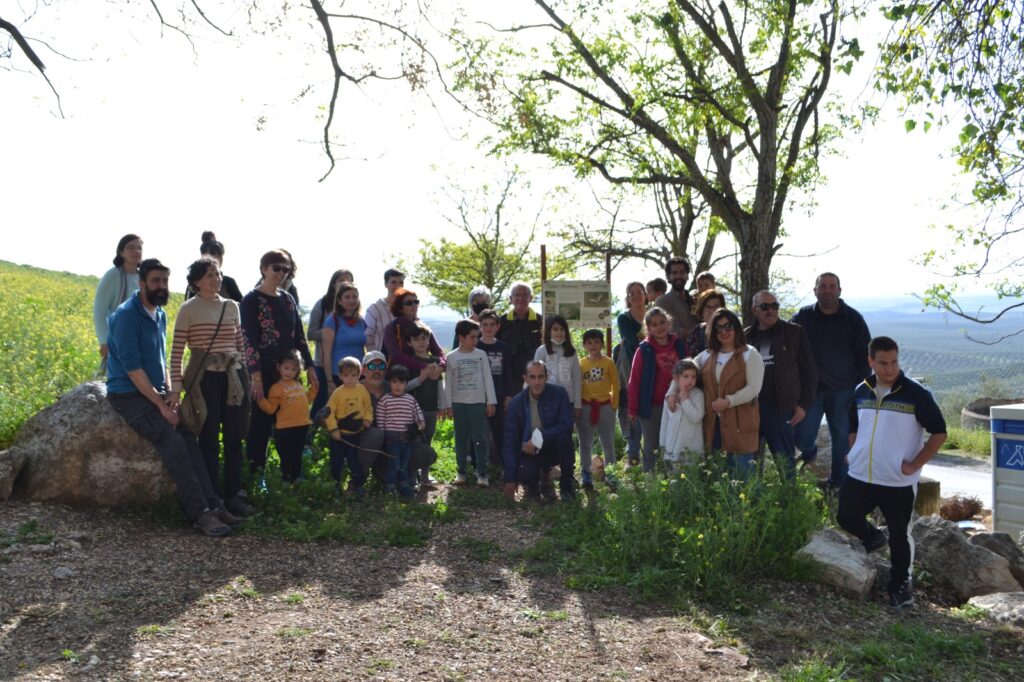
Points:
(400, 418)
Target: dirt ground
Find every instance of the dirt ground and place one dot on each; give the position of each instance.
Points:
(155, 603)
(119, 596)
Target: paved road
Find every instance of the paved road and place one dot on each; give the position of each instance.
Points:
(962, 476)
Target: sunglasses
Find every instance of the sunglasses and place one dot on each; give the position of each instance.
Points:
(280, 268)
(411, 302)
(376, 364)
(765, 307)
(726, 327)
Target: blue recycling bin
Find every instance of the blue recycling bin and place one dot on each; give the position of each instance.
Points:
(1008, 470)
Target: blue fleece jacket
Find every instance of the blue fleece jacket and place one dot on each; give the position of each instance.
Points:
(839, 343)
(136, 341)
(556, 416)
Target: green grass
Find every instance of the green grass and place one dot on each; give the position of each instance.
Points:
(27, 533)
(911, 651)
(47, 341)
(698, 534)
(974, 442)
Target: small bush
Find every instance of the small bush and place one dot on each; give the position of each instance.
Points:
(698, 532)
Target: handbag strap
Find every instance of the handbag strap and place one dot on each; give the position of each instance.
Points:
(207, 351)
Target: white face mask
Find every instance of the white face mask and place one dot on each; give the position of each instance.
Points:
(537, 439)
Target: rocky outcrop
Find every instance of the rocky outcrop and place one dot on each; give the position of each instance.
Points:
(1003, 607)
(942, 549)
(80, 452)
(1003, 545)
(843, 564)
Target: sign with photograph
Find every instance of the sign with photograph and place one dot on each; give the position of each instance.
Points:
(581, 303)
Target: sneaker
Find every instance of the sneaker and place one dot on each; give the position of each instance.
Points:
(227, 517)
(878, 542)
(426, 480)
(482, 481)
(460, 479)
(239, 507)
(902, 596)
(209, 524)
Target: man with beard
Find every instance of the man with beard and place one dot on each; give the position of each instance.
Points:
(138, 387)
(839, 339)
(677, 302)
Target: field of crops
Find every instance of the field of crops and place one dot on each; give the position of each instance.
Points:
(47, 339)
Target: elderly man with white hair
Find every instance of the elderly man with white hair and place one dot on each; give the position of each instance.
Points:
(521, 327)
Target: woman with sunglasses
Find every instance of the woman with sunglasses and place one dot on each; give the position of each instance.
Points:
(732, 373)
(650, 377)
(406, 308)
(271, 327)
(708, 301)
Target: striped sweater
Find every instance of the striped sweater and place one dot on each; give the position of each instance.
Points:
(195, 326)
(396, 412)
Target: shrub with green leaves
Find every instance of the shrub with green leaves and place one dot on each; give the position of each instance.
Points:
(697, 532)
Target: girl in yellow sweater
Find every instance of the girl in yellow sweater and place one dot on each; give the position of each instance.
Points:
(289, 400)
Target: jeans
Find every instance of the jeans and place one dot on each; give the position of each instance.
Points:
(741, 464)
(857, 499)
(214, 387)
(178, 451)
(289, 444)
(835, 406)
(373, 439)
(557, 452)
(630, 431)
(605, 428)
(347, 451)
(779, 435)
(398, 465)
(471, 431)
(650, 427)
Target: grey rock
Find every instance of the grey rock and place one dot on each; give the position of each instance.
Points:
(41, 549)
(971, 570)
(843, 565)
(1003, 607)
(62, 572)
(1002, 544)
(93, 662)
(80, 452)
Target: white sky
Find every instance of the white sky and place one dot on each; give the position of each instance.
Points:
(164, 143)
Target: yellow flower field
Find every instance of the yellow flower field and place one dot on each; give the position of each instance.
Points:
(47, 339)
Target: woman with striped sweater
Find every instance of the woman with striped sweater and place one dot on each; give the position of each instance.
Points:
(210, 326)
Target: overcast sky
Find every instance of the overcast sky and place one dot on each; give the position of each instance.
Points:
(166, 143)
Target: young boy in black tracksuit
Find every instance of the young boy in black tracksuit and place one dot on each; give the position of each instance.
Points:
(889, 416)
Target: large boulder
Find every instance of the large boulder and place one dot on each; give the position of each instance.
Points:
(1002, 544)
(943, 550)
(844, 564)
(1003, 607)
(80, 452)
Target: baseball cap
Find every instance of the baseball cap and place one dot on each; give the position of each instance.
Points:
(373, 355)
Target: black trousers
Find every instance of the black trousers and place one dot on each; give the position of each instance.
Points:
(556, 452)
(289, 443)
(177, 448)
(857, 499)
(215, 393)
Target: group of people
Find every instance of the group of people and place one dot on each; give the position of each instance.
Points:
(685, 380)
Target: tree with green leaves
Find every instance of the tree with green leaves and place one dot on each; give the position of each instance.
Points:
(967, 56)
(721, 99)
(495, 245)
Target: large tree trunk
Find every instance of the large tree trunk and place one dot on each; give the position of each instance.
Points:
(757, 248)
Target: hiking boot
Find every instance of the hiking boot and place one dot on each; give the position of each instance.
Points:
(460, 479)
(426, 480)
(239, 507)
(878, 542)
(227, 517)
(209, 524)
(568, 496)
(483, 481)
(902, 596)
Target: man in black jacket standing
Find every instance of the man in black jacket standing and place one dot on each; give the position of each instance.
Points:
(839, 340)
(790, 377)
